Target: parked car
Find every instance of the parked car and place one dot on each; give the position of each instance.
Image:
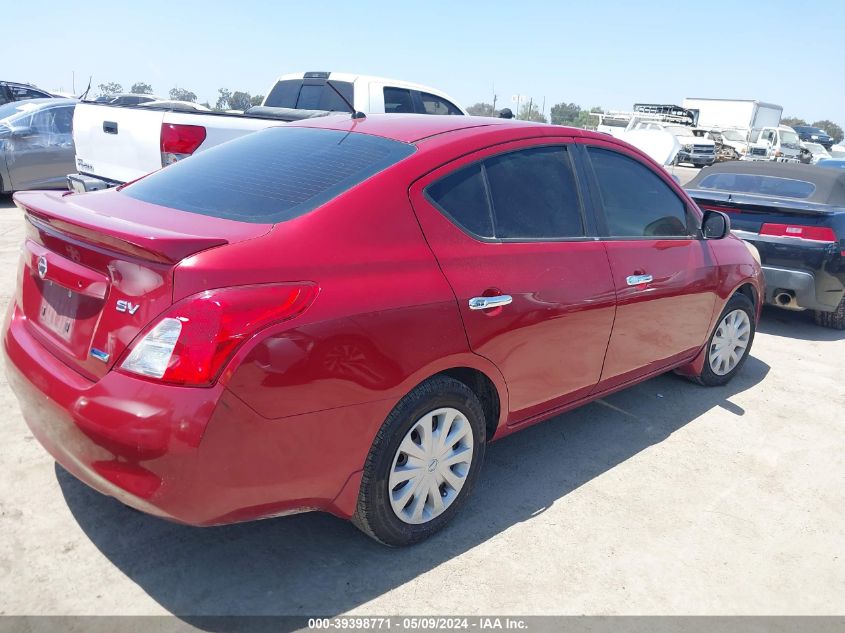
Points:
(810, 134)
(816, 150)
(339, 314)
(11, 91)
(118, 144)
(795, 216)
(832, 163)
(36, 144)
(695, 150)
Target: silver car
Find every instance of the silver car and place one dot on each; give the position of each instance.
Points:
(36, 144)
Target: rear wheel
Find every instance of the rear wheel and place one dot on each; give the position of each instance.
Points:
(730, 343)
(423, 464)
(835, 319)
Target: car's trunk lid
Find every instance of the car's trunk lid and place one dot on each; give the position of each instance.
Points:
(98, 267)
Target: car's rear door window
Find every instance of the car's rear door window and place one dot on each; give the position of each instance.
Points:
(270, 176)
(636, 201)
(528, 194)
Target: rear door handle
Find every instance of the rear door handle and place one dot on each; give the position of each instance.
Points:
(483, 303)
(636, 280)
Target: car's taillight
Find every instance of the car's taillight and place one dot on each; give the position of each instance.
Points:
(179, 141)
(194, 339)
(815, 233)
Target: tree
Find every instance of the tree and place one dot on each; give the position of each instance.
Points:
(180, 94)
(482, 109)
(141, 88)
(792, 120)
(256, 100)
(239, 100)
(110, 89)
(565, 113)
(831, 128)
(530, 112)
(224, 95)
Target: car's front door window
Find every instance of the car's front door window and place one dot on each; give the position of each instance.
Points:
(636, 202)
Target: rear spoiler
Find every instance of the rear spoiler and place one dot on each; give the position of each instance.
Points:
(55, 212)
(785, 205)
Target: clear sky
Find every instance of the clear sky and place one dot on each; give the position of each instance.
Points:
(606, 53)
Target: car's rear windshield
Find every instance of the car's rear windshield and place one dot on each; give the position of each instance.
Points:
(311, 94)
(270, 176)
(762, 185)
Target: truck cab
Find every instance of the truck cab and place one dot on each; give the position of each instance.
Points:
(780, 144)
(312, 91)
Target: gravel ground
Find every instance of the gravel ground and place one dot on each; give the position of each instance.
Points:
(667, 498)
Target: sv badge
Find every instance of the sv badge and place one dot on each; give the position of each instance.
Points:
(127, 306)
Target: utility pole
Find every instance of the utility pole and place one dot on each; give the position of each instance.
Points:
(530, 107)
(493, 112)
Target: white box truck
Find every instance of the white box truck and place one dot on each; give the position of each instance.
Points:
(747, 114)
(749, 117)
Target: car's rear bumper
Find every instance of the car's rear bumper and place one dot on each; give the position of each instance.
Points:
(198, 456)
(810, 272)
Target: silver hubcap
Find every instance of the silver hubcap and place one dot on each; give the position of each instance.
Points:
(431, 466)
(729, 342)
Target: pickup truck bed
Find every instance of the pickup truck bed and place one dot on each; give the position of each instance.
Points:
(117, 144)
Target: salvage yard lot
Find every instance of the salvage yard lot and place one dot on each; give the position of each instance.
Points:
(667, 498)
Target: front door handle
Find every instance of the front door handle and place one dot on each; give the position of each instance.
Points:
(636, 280)
(483, 303)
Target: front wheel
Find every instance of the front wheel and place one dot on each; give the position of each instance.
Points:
(423, 464)
(835, 319)
(730, 343)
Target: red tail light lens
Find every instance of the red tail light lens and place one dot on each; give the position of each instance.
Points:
(179, 141)
(190, 344)
(814, 233)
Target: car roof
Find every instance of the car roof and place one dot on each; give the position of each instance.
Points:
(829, 183)
(35, 104)
(412, 128)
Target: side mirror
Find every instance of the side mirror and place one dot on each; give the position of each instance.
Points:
(23, 132)
(715, 225)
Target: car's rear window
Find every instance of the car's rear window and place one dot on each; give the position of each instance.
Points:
(311, 94)
(270, 176)
(764, 185)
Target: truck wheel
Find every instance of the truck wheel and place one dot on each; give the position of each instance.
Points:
(835, 319)
(423, 464)
(730, 343)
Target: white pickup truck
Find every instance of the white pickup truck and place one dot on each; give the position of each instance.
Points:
(117, 144)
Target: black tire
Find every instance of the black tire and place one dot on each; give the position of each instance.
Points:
(374, 514)
(710, 378)
(834, 320)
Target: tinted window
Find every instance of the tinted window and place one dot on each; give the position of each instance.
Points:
(270, 176)
(764, 185)
(463, 197)
(437, 105)
(310, 94)
(397, 100)
(635, 200)
(530, 194)
(533, 194)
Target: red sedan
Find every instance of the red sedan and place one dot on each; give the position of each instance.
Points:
(339, 314)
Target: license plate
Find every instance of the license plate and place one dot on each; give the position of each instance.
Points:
(58, 310)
